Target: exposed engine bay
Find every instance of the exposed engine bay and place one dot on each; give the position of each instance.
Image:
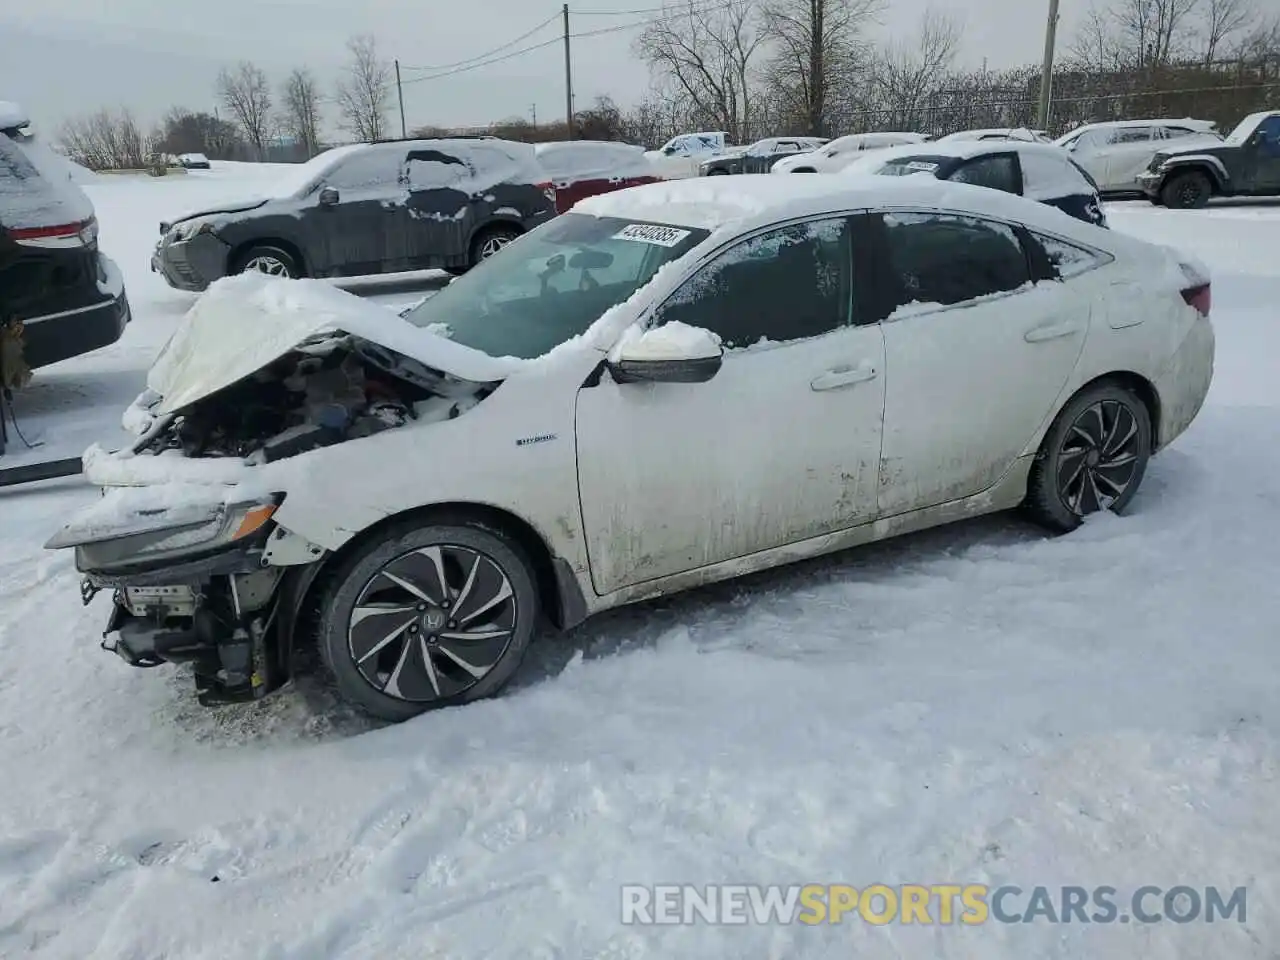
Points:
(329, 389)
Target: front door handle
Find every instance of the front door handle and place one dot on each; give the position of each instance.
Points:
(1053, 331)
(843, 376)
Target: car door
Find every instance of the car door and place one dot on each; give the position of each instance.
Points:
(1089, 150)
(1263, 158)
(782, 445)
(352, 235)
(1129, 152)
(439, 212)
(975, 355)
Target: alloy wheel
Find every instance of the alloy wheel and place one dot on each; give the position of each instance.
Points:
(1099, 457)
(492, 245)
(432, 623)
(271, 266)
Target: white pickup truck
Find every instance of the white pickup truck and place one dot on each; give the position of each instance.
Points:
(681, 155)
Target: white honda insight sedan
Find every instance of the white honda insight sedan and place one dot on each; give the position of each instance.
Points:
(671, 385)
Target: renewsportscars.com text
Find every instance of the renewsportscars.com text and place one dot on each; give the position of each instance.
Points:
(935, 904)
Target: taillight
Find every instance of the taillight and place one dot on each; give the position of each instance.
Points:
(548, 190)
(1199, 297)
(82, 233)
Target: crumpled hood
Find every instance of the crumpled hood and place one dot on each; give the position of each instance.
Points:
(234, 206)
(244, 323)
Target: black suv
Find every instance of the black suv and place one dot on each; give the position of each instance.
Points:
(58, 293)
(367, 208)
(1245, 164)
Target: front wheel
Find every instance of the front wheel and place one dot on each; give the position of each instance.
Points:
(428, 616)
(1093, 458)
(269, 260)
(1187, 191)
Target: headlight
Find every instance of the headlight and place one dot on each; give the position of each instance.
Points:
(189, 229)
(151, 534)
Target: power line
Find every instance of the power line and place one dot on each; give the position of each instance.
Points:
(487, 63)
(481, 56)
(668, 9)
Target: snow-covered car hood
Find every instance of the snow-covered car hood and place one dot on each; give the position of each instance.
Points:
(244, 323)
(235, 206)
(1191, 144)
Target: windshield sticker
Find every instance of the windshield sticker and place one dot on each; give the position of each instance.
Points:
(647, 233)
(921, 165)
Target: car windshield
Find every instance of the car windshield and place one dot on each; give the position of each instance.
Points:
(1244, 128)
(906, 166)
(302, 176)
(552, 284)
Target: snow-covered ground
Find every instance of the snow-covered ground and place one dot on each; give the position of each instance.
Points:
(972, 705)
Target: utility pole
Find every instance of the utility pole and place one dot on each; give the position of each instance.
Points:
(534, 110)
(568, 76)
(1046, 75)
(400, 96)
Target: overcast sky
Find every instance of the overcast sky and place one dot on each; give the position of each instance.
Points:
(63, 57)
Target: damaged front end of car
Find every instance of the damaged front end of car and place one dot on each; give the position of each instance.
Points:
(185, 535)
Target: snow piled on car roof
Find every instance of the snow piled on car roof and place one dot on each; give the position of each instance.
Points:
(712, 203)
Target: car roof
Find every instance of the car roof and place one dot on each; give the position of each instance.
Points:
(966, 149)
(1161, 121)
(12, 115)
(746, 201)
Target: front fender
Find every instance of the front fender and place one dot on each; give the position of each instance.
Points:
(1215, 167)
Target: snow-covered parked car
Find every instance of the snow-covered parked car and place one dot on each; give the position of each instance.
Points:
(66, 296)
(842, 151)
(681, 155)
(999, 133)
(584, 168)
(194, 161)
(1115, 153)
(1189, 173)
(366, 208)
(1037, 171)
(759, 157)
(671, 385)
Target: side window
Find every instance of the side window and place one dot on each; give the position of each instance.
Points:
(366, 170)
(997, 172)
(1068, 259)
(434, 170)
(1045, 176)
(787, 284)
(1270, 130)
(1131, 135)
(947, 259)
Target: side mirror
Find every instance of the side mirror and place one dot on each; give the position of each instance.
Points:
(329, 197)
(672, 353)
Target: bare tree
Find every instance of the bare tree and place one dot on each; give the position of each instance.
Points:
(907, 73)
(300, 110)
(1096, 45)
(247, 94)
(1220, 20)
(106, 140)
(708, 53)
(363, 93)
(817, 42)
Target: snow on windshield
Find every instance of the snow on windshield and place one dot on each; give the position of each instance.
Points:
(1244, 128)
(303, 175)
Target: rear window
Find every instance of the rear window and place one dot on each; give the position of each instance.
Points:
(906, 166)
(36, 188)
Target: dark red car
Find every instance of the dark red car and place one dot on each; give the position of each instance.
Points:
(584, 168)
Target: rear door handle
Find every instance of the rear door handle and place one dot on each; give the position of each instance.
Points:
(843, 376)
(1053, 331)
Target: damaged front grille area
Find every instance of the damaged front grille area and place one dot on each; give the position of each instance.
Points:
(330, 389)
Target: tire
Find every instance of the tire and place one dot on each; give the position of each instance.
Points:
(269, 260)
(428, 664)
(490, 240)
(1187, 191)
(717, 173)
(1113, 458)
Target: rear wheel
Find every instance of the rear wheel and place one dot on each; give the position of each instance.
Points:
(428, 616)
(1187, 191)
(269, 260)
(1093, 458)
(490, 241)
